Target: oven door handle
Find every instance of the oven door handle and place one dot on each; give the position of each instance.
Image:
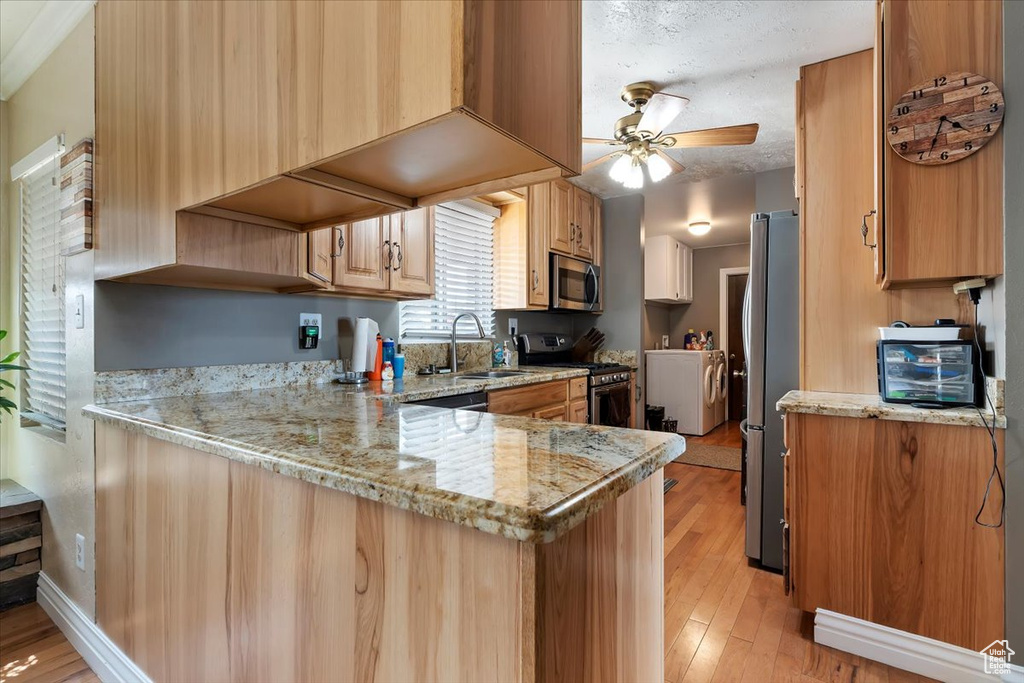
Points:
(609, 388)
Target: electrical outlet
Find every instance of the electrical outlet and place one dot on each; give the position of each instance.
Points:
(80, 551)
(513, 326)
(80, 312)
(312, 319)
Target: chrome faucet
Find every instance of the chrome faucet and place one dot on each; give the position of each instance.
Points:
(454, 364)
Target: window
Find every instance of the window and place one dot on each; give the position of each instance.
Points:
(42, 285)
(463, 274)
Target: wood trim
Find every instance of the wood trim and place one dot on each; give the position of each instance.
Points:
(240, 217)
(528, 398)
(531, 178)
(317, 177)
(577, 388)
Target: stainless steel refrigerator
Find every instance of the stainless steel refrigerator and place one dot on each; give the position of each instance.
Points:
(771, 339)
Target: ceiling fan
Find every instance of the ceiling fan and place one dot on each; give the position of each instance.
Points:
(644, 142)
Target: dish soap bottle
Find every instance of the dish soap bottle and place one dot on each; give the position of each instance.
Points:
(506, 354)
(498, 356)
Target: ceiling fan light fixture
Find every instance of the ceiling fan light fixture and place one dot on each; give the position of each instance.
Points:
(620, 169)
(658, 168)
(699, 228)
(635, 177)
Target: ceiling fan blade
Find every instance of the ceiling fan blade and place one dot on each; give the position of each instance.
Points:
(661, 111)
(600, 160)
(676, 166)
(716, 137)
(600, 141)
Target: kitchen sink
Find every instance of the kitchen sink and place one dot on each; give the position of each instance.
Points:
(492, 374)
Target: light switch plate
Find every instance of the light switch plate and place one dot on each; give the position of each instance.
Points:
(80, 312)
(312, 319)
(513, 326)
(80, 551)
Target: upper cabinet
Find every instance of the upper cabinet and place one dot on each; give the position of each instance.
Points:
(300, 115)
(668, 271)
(572, 221)
(547, 218)
(389, 256)
(937, 221)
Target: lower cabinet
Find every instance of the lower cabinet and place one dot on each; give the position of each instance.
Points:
(881, 525)
(561, 400)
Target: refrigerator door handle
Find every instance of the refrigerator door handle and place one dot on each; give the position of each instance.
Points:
(757, 283)
(755, 454)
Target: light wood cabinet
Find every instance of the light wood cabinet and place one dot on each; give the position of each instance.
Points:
(561, 221)
(840, 303)
(553, 217)
(881, 525)
(391, 255)
(668, 271)
(362, 255)
(935, 223)
(219, 253)
(558, 400)
(465, 104)
(572, 221)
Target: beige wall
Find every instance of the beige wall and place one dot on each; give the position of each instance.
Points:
(59, 97)
(703, 313)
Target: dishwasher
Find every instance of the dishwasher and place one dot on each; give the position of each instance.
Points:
(477, 401)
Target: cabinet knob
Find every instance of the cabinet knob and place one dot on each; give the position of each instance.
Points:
(864, 228)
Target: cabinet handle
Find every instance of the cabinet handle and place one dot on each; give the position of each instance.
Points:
(579, 235)
(398, 248)
(536, 279)
(864, 228)
(389, 255)
(572, 233)
(341, 243)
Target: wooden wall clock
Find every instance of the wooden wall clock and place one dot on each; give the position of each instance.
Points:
(945, 119)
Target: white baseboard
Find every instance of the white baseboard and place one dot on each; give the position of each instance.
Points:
(908, 651)
(99, 652)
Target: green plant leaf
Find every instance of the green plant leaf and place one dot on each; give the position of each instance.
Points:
(7, 384)
(10, 366)
(7, 404)
(11, 357)
(3, 333)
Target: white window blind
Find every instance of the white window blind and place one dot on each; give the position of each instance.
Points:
(42, 292)
(463, 274)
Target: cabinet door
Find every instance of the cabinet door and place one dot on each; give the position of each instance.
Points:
(561, 228)
(538, 199)
(685, 272)
(578, 412)
(361, 261)
(583, 219)
(412, 245)
(557, 413)
(319, 254)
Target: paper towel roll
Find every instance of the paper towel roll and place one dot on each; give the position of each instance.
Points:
(364, 345)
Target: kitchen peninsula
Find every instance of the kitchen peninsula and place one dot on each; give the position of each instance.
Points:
(326, 533)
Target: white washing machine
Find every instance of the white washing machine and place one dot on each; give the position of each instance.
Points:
(721, 387)
(685, 383)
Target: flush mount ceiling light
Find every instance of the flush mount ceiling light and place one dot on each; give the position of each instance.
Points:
(641, 134)
(700, 228)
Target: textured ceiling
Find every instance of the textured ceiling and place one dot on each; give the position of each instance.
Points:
(736, 61)
(15, 17)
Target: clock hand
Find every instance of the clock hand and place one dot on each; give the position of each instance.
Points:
(936, 138)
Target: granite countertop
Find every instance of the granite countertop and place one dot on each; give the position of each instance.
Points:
(530, 480)
(872, 406)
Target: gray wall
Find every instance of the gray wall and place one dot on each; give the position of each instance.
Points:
(703, 313)
(773, 191)
(148, 326)
(1013, 132)
(622, 221)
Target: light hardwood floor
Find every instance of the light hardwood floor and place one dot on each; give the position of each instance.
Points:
(726, 620)
(726, 434)
(33, 650)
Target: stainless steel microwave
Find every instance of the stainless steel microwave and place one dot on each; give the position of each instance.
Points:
(575, 285)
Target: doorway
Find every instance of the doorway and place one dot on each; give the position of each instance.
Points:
(733, 286)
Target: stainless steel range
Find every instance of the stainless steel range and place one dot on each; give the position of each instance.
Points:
(609, 394)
